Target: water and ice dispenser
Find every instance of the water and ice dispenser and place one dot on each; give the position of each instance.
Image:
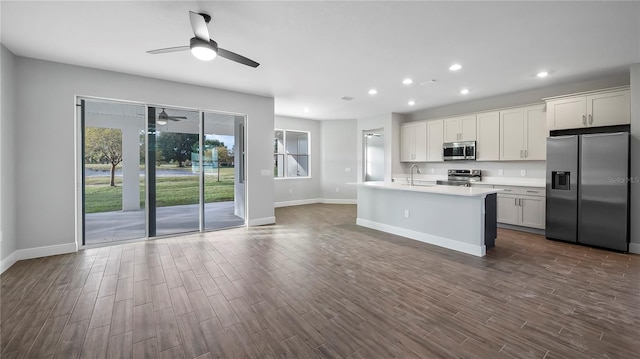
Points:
(560, 180)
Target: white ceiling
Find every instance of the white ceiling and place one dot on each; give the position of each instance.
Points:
(314, 53)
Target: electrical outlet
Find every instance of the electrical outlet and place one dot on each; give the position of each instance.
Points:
(523, 172)
(501, 172)
(290, 190)
(337, 189)
(433, 170)
(406, 213)
(347, 169)
(266, 173)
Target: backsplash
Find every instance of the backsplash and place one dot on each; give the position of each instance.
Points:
(509, 169)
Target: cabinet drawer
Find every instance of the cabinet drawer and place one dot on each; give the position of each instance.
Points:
(517, 190)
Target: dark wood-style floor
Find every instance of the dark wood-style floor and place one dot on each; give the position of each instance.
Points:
(317, 286)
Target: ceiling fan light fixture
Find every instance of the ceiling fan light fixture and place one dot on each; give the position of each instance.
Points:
(161, 122)
(203, 50)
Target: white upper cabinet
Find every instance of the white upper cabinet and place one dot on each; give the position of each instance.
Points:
(460, 129)
(488, 141)
(523, 134)
(413, 142)
(435, 138)
(595, 109)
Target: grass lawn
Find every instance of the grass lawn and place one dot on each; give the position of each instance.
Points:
(170, 191)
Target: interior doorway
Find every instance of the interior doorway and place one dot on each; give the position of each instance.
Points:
(150, 171)
(373, 155)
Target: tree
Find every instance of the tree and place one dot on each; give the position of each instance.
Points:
(176, 146)
(104, 145)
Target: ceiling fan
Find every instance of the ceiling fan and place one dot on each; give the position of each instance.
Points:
(163, 117)
(202, 46)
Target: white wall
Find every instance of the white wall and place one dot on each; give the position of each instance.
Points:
(8, 239)
(339, 161)
(635, 156)
(291, 191)
(45, 161)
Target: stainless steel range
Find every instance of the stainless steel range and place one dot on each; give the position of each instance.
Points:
(462, 178)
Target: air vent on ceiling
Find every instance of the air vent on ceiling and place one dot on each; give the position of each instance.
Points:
(347, 98)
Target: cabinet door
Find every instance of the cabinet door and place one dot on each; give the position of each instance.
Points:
(452, 130)
(508, 209)
(420, 149)
(468, 128)
(407, 142)
(567, 113)
(488, 141)
(532, 211)
(512, 135)
(611, 108)
(535, 134)
(435, 136)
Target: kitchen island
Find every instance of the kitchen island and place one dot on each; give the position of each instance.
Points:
(457, 218)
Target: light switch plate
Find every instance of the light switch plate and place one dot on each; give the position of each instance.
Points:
(265, 172)
(347, 169)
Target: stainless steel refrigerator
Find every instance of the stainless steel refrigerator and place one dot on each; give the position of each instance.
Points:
(588, 189)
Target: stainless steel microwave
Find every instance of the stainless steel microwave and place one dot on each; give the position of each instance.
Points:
(459, 151)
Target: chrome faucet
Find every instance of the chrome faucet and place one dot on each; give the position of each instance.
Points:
(411, 172)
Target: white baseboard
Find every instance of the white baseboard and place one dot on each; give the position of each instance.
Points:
(261, 221)
(301, 202)
(634, 248)
(37, 252)
(475, 250)
(8, 262)
(297, 202)
(339, 201)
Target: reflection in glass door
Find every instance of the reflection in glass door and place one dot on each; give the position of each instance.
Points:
(221, 163)
(174, 186)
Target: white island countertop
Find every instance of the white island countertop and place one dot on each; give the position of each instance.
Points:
(445, 190)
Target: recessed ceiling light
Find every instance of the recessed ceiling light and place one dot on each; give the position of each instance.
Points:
(407, 81)
(411, 103)
(373, 92)
(455, 67)
(542, 74)
(464, 91)
(306, 109)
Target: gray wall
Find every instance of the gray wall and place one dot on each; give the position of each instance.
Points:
(300, 189)
(339, 161)
(46, 162)
(520, 98)
(8, 240)
(635, 155)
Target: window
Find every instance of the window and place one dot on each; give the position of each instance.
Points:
(291, 154)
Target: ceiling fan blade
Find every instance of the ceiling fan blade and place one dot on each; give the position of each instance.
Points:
(176, 118)
(237, 58)
(168, 49)
(199, 26)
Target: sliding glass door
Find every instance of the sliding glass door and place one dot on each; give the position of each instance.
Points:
(151, 171)
(175, 183)
(113, 171)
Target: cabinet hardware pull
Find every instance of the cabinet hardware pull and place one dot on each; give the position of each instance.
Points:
(520, 153)
(532, 191)
(590, 119)
(515, 201)
(526, 154)
(584, 120)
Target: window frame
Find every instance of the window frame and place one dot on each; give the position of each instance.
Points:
(285, 155)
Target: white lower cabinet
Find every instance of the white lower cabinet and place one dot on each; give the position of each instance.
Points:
(522, 206)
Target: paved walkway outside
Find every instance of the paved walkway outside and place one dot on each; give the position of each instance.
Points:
(122, 225)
